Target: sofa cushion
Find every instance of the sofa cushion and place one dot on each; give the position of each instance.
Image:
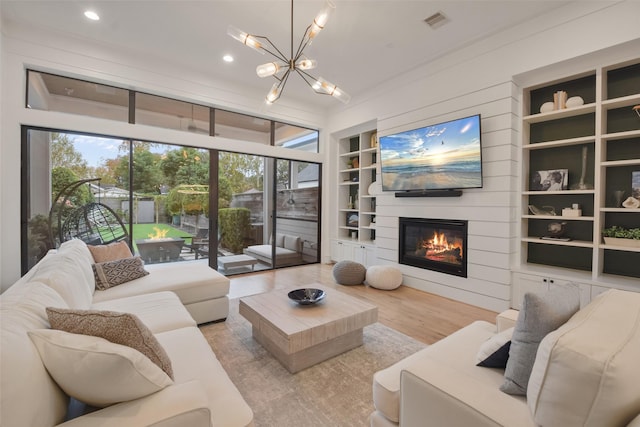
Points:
(192, 282)
(539, 315)
(96, 371)
(193, 359)
(159, 311)
(78, 249)
(67, 276)
(119, 328)
(586, 372)
(29, 396)
(111, 252)
(113, 273)
(292, 243)
(494, 352)
(456, 352)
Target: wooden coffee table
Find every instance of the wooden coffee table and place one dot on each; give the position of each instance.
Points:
(301, 336)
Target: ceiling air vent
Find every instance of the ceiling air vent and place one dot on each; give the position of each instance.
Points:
(436, 20)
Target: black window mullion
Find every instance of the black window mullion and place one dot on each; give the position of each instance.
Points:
(213, 205)
(132, 107)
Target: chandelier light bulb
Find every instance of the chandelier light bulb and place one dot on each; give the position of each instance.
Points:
(306, 64)
(245, 38)
(341, 95)
(274, 93)
(268, 69)
(323, 86)
(321, 18)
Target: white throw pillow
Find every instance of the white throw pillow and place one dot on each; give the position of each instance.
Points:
(78, 250)
(96, 371)
(67, 276)
(494, 352)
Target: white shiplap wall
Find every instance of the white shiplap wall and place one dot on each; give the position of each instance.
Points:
(488, 210)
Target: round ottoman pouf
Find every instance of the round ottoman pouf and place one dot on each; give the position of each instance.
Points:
(349, 273)
(383, 277)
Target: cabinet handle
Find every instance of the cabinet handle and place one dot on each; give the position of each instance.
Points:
(544, 280)
(550, 280)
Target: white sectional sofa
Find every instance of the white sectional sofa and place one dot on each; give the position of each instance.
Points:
(585, 374)
(200, 394)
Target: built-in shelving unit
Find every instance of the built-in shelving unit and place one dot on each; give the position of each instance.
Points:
(598, 143)
(357, 170)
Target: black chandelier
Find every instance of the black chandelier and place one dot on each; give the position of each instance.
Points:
(296, 62)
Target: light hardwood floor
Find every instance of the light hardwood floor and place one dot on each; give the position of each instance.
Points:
(421, 315)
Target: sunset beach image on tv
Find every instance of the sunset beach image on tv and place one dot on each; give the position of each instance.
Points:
(443, 156)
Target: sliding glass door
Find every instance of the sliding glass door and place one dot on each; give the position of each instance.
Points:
(102, 190)
(158, 198)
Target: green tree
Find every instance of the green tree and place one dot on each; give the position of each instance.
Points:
(64, 154)
(107, 171)
(148, 176)
(61, 177)
(185, 166)
(242, 171)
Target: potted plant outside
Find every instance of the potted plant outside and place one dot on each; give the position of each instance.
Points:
(620, 236)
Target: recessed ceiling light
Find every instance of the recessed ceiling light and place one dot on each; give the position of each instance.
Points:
(227, 58)
(92, 15)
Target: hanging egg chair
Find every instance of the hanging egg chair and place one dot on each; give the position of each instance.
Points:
(94, 223)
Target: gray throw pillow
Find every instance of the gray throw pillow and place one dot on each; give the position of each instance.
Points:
(539, 315)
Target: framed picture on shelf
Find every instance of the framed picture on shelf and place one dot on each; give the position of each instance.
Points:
(352, 220)
(635, 184)
(550, 180)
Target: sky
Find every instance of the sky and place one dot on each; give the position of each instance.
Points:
(95, 149)
(439, 143)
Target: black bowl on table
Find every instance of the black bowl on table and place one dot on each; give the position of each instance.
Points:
(306, 296)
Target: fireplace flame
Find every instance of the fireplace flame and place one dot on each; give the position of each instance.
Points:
(438, 244)
(159, 234)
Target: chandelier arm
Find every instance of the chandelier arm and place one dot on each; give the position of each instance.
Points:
(306, 77)
(282, 84)
(304, 42)
(281, 56)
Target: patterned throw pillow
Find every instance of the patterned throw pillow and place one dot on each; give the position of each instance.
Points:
(110, 252)
(114, 273)
(119, 328)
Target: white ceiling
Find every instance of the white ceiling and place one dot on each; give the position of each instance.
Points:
(365, 43)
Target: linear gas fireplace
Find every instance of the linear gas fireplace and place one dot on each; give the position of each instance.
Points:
(434, 244)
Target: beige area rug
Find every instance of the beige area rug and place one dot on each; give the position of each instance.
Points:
(336, 392)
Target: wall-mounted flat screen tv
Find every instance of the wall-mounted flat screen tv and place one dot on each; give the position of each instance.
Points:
(444, 156)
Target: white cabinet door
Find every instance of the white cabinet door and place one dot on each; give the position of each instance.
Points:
(342, 250)
(523, 283)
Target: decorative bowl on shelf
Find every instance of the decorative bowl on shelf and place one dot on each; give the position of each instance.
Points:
(545, 210)
(557, 229)
(306, 296)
